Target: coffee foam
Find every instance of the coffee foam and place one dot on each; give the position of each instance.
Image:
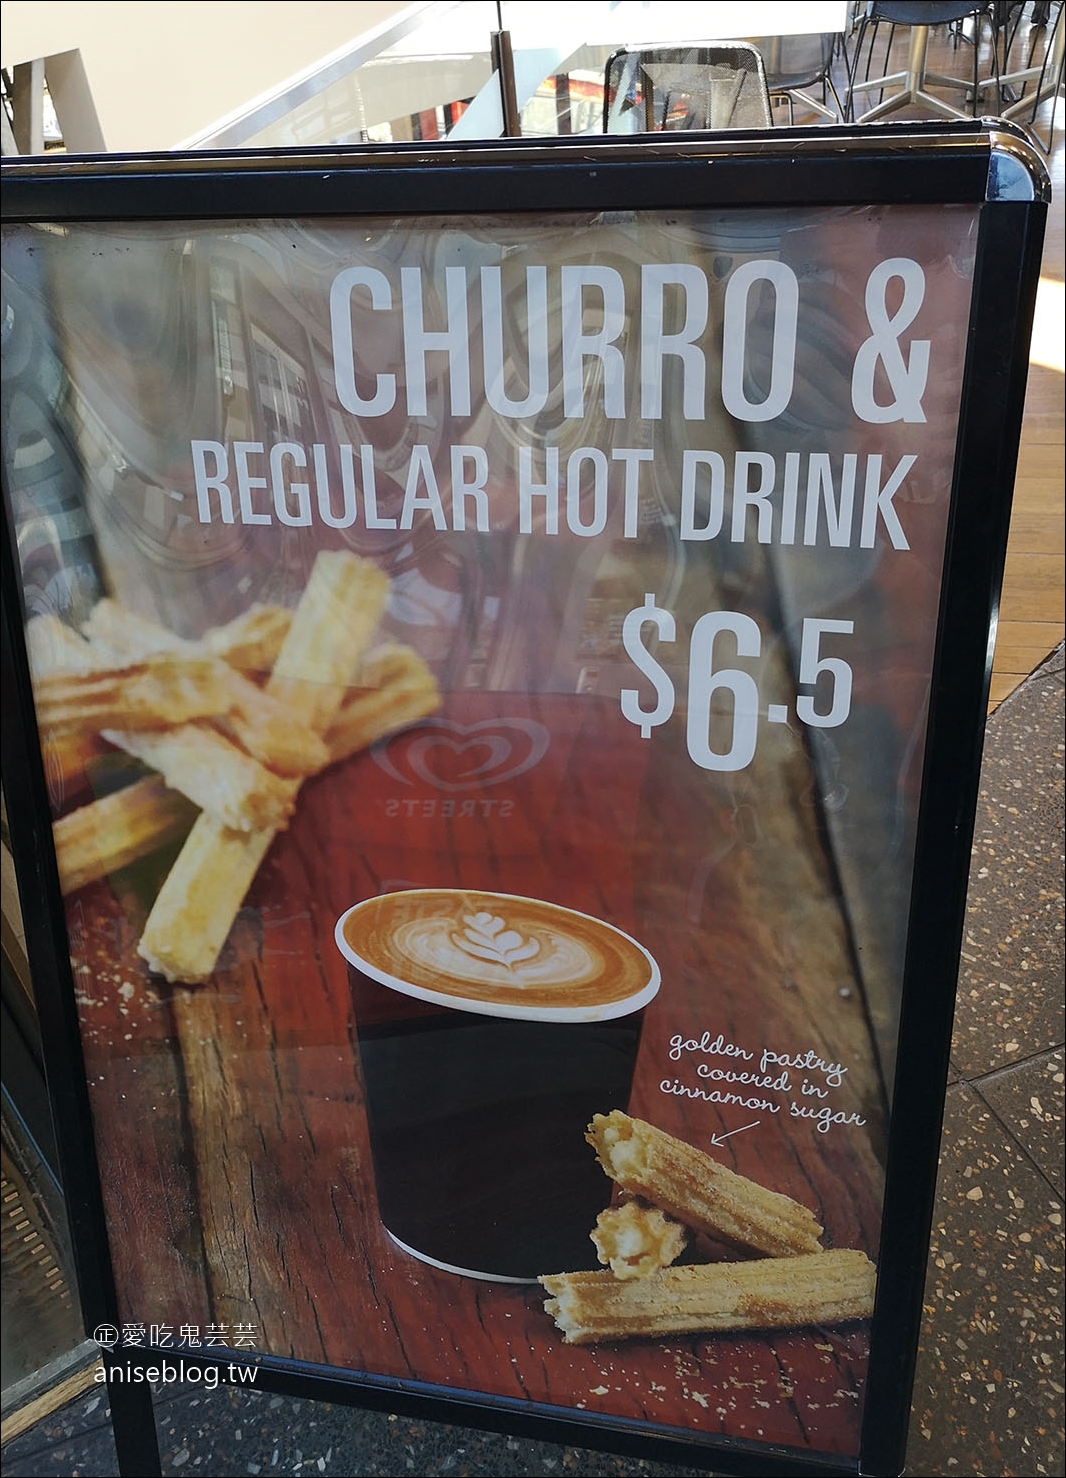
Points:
(497, 954)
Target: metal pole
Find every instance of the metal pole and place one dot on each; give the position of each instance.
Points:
(503, 65)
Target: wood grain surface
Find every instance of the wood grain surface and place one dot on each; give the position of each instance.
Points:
(231, 1120)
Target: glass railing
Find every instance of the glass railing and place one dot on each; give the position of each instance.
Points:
(416, 87)
(434, 71)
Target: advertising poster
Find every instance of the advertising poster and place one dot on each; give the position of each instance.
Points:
(481, 665)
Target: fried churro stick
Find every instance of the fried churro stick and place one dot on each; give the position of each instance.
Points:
(249, 643)
(712, 1298)
(171, 688)
(114, 628)
(392, 663)
(164, 690)
(215, 774)
(399, 690)
(110, 833)
(66, 758)
(330, 631)
(262, 724)
(697, 1190)
(363, 719)
(53, 646)
(636, 1240)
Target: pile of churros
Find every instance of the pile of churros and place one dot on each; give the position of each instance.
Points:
(229, 726)
(788, 1280)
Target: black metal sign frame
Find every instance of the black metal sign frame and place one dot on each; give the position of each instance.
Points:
(988, 167)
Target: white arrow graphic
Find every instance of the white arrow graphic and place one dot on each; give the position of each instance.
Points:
(719, 1139)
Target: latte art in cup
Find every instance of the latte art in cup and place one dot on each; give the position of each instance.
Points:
(491, 1029)
(498, 954)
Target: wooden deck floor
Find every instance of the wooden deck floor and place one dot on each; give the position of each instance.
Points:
(1031, 608)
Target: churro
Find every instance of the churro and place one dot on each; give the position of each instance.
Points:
(157, 693)
(239, 751)
(194, 758)
(118, 829)
(199, 900)
(262, 724)
(66, 759)
(330, 633)
(699, 1191)
(217, 775)
(113, 628)
(267, 730)
(712, 1298)
(53, 646)
(321, 654)
(635, 1239)
(396, 689)
(250, 642)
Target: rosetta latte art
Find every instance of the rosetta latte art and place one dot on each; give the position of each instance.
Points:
(498, 952)
(489, 950)
(488, 938)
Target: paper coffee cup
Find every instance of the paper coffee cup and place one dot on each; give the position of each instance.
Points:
(491, 1029)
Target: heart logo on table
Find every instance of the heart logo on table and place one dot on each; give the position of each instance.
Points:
(452, 756)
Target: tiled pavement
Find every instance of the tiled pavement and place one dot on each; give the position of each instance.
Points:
(989, 1393)
(988, 1398)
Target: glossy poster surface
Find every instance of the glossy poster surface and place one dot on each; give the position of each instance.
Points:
(481, 667)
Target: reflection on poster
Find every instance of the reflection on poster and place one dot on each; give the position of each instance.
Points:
(481, 668)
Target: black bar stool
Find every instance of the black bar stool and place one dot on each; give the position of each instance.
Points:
(919, 17)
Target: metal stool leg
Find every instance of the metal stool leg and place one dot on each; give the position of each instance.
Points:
(1050, 70)
(913, 94)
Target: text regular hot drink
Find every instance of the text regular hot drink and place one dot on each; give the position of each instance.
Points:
(491, 1029)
